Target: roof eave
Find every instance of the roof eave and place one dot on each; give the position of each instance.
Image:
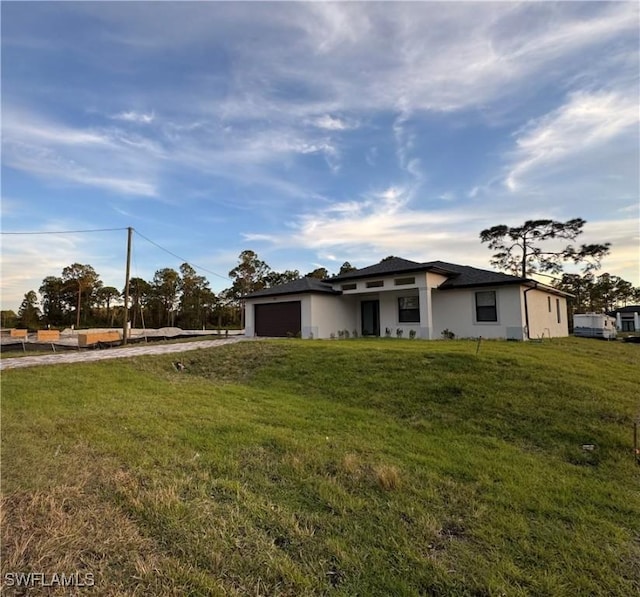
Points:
(330, 292)
(546, 287)
(477, 284)
(515, 281)
(408, 270)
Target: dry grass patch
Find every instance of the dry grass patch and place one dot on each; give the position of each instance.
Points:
(384, 476)
(352, 465)
(387, 476)
(74, 529)
(67, 530)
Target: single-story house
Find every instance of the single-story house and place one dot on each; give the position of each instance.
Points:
(627, 318)
(397, 294)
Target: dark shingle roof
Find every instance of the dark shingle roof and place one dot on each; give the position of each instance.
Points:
(296, 287)
(465, 275)
(628, 309)
(459, 276)
(396, 265)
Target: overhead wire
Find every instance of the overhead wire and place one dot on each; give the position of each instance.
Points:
(64, 231)
(196, 266)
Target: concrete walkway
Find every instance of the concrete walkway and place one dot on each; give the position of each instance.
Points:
(112, 353)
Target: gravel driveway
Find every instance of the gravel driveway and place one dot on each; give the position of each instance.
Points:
(112, 353)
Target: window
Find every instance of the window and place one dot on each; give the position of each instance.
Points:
(408, 309)
(404, 281)
(349, 286)
(549, 303)
(486, 306)
(375, 284)
(558, 310)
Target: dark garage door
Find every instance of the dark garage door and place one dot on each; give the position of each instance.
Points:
(278, 319)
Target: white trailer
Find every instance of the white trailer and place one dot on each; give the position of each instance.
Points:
(594, 325)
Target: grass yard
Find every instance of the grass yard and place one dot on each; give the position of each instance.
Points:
(354, 467)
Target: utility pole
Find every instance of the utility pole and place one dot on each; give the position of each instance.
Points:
(125, 325)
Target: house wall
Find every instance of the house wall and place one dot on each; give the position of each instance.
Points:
(455, 310)
(422, 280)
(388, 309)
(330, 314)
(542, 322)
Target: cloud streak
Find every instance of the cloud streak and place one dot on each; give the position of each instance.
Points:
(378, 224)
(106, 159)
(133, 116)
(586, 122)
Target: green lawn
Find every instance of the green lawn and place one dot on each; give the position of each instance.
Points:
(351, 467)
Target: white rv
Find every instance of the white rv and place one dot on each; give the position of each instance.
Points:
(594, 325)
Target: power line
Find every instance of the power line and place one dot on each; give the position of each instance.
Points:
(67, 231)
(204, 269)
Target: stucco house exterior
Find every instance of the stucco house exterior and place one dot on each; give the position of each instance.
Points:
(396, 293)
(627, 318)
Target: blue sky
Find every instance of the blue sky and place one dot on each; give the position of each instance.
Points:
(311, 133)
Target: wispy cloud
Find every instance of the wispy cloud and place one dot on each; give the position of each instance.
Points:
(445, 57)
(132, 116)
(585, 122)
(381, 222)
(26, 127)
(438, 57)
(103, 158)
(132, 164)
(332, 123)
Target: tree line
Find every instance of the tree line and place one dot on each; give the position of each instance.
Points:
(181, 298)
(603, 293)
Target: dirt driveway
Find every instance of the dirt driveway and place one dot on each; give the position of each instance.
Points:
(112, 353)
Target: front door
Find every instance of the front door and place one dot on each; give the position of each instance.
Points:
(370, 318)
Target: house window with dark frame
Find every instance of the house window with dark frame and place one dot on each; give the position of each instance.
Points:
(349, 286)
(408, 309)
(486, 306)
(404, 281)
(549, 303)
(375, 284)
(558, 310)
